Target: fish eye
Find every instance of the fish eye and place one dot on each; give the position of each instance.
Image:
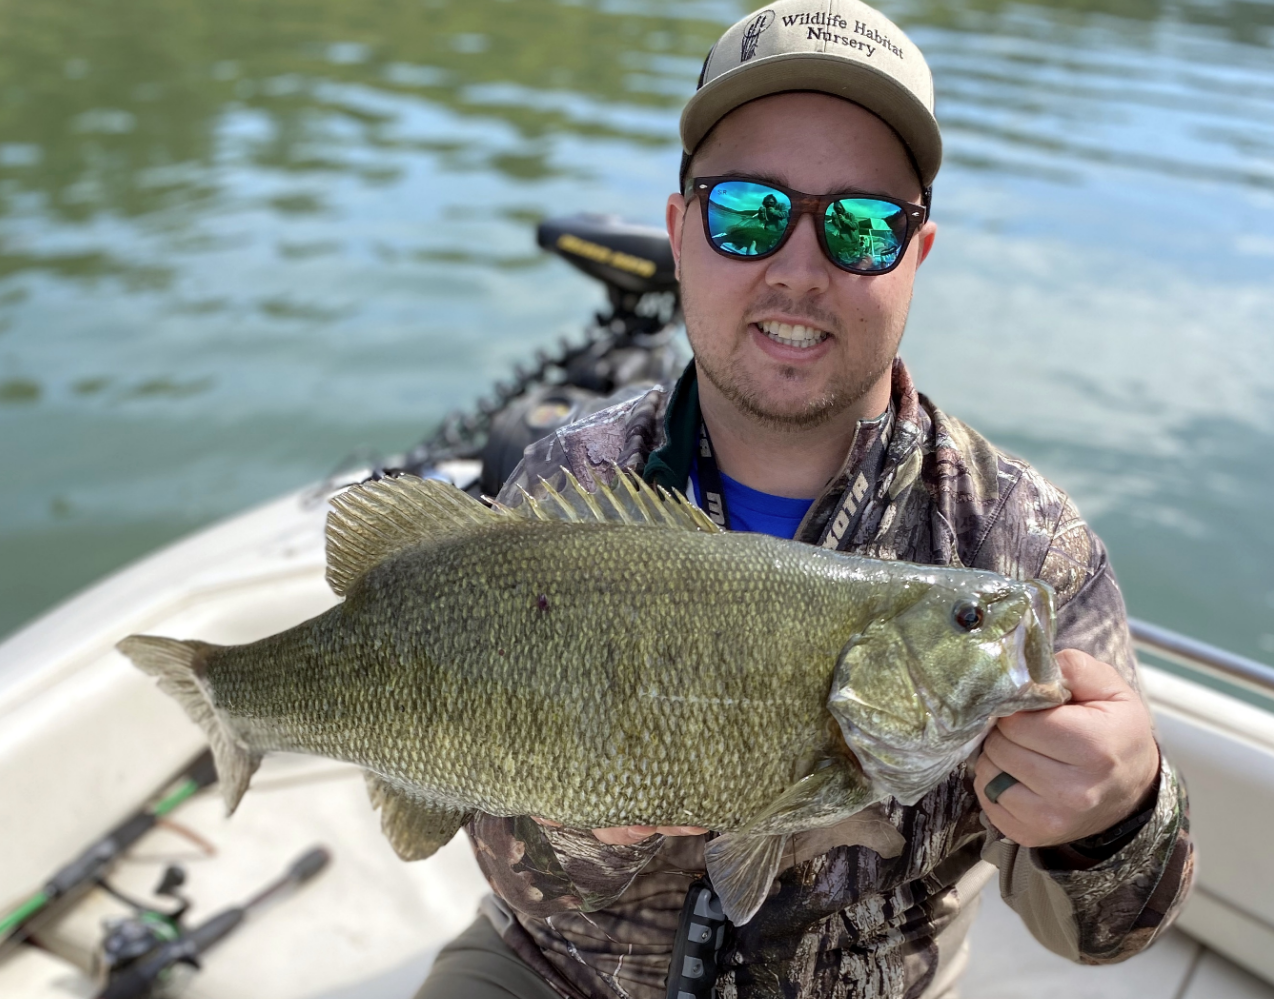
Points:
(968, 616)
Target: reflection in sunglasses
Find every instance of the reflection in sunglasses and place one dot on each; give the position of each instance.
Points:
(863, 234)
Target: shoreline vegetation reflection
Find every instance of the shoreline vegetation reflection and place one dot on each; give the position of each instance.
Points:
(236, 245)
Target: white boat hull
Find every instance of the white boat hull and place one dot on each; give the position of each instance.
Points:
(84, 738)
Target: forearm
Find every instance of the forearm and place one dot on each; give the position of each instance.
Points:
(1116, 907)
(540, 871)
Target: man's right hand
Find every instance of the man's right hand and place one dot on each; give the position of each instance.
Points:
(628, 835)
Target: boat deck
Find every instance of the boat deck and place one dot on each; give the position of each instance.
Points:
(1007, 963)
(81, 735)
(369, 926)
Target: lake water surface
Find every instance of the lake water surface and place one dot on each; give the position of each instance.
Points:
(241, 241)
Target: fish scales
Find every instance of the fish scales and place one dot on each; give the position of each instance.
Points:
(570, 671)
(612, 658)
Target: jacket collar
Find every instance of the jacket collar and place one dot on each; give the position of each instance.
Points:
(669, 464)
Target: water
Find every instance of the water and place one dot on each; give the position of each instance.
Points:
(240, 243)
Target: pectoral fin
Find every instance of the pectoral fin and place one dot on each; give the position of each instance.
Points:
(870, 828)
(415, 827)
(742, 868)
(743, 864)
(823, 798)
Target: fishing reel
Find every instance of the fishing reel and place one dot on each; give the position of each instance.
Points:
(128, 939)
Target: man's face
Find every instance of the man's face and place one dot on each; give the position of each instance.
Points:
(734, 308)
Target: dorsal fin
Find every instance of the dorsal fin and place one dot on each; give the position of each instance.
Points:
(628, 501)
(373, 520)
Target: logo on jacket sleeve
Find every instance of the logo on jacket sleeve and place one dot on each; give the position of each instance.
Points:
(753, 34)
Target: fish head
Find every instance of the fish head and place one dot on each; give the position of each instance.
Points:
(916, 692)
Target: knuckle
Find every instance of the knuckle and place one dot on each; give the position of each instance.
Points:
(1079, 800)
(1052, 827)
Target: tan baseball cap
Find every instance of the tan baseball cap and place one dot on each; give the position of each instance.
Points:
(839, 47)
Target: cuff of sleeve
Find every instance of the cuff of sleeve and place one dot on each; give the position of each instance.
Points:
(1127, 845)
(1082, 854)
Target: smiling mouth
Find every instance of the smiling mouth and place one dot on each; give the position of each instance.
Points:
(801, 337)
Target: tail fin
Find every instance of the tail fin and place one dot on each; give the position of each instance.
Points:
(179, 668)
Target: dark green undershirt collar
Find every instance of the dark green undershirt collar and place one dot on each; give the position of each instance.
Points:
(669, 466)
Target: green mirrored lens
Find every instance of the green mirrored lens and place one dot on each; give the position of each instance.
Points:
(864, 234)
(746, 219)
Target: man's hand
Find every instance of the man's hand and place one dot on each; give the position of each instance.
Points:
(1082, 767)
(628, 835)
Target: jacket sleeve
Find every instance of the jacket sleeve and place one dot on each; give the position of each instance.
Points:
(1103, 912)
(618, 436)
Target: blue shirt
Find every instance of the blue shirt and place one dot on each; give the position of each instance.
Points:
(752, 510)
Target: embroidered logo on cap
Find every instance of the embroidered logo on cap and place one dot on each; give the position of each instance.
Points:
(753, 35)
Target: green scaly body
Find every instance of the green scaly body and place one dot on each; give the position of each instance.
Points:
(592, 674)
(612, 658)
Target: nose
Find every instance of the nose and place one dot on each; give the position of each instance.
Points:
(800, 268)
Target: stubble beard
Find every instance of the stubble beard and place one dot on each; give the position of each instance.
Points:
(844, 391)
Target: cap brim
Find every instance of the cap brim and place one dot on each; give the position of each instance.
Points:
(878, 92)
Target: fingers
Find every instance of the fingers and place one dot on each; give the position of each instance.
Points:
(624, 835)
(1081, 766)
(1090, 679)
(1079, 733)
(628, 835)
(1012, 811)
(1036, 771)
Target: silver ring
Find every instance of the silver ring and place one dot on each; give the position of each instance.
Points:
(997, 785)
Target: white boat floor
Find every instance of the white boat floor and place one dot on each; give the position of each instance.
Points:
(1007, 963)
(369, 926)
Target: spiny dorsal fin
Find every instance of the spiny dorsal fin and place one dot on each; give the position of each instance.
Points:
(628, 501)
(370, 522)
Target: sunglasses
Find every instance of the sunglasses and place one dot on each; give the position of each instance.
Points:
(859, 232)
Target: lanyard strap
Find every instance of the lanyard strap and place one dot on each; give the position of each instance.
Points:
(710, 481)
(861, 492)
(854, 503)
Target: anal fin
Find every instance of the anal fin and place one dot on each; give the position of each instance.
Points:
(823, 798)
(415, 827)
(742, 868)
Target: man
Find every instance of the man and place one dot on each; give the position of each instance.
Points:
(796, 418)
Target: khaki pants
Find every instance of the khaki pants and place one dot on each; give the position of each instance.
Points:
(479, 965)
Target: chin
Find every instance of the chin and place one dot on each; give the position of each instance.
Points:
(785, 409)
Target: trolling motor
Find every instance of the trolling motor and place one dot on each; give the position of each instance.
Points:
(634, 262)
(626, 349)
(629, 348)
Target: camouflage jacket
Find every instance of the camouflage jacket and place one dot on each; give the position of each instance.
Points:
(843, 920)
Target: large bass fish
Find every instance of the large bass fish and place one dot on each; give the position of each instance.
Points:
(612, 658)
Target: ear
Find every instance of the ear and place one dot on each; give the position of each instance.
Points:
(676, 220)
(925, 237)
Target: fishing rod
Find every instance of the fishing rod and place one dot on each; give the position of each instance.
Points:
(139, 979)
(88, 868)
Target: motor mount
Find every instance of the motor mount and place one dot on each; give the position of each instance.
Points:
(633, 261)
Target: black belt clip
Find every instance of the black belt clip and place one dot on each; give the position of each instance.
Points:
(692, 974)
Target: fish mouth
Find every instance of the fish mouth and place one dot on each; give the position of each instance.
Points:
(793, 334)
(1033, 668)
